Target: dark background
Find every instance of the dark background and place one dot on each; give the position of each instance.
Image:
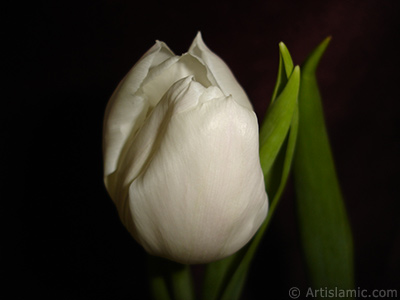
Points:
(66, 239)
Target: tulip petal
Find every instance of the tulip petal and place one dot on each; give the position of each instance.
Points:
(220, 71)
(224, 279)
(163, 76)
(208, 152)
(125, 110)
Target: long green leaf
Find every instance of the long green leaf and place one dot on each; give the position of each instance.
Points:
(236, 283)
(323, 222)
(273, 178)
(225, 279)
(277, 122)
(284, 168)
(284, 71)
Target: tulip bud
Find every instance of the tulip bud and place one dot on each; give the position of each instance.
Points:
(181, 159)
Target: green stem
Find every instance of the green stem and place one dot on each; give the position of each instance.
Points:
(182, 283)
(157, 278)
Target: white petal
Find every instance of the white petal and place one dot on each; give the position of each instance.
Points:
(162, 77)
(140, 149)
(201, 197)
(125, 109)
(223, 75)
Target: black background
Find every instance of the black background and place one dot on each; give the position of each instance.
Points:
(66, 239)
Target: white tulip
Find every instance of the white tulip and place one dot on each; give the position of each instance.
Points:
(181, 159)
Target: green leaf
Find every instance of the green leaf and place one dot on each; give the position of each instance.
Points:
(236, 283)
(277, 122)
(246, 255)
(324, 226)
(276, 177)
(273, 177)
(284, 71)
(225, 278)
(282, 170)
